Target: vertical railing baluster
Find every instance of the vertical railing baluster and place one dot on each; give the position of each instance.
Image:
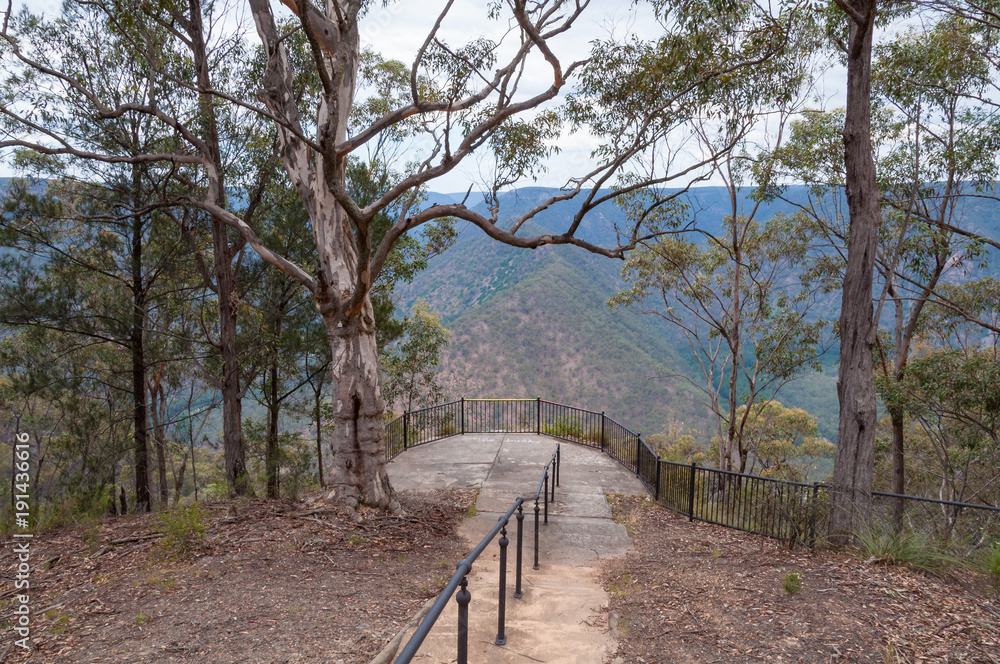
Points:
(520, 546)
(694, 466)
(558, 462)
(463, 597)
(812, 516)
(602, 430)
(536, 533)
(546, 496)
(502, 596)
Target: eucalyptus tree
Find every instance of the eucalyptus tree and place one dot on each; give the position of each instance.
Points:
(411, 365)
(853, 32)
(77, 411)
(950, 393)
(89, 261)
(460, 100)
(738, 288)
(745, 320)
(931, 146)
(946, 157)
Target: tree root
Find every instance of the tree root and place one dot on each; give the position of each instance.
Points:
(390, 649)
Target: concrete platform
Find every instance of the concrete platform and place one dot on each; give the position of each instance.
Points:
(561, 618)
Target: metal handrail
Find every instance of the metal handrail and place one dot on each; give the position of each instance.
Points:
(936, 501)
(498, 400)
(733, 473)
(464, 566)
(462, 569)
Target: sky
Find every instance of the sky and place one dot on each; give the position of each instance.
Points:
(397, 31)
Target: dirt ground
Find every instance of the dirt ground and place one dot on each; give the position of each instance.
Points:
(301, 582)
(696, 593)
(271, 582)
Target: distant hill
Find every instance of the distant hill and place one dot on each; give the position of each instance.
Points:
(536, 323)
(529, 323)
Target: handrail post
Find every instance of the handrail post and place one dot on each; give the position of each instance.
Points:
(558, 463)
(555, 475)
(463, 416)
(536, 533)
(406, 426)
(463, 597)
(602, 430)
(694, 465)
(638, 454)
(538, 415)
(546, 496)
(520, 546)
(656, 493)
(502, 597)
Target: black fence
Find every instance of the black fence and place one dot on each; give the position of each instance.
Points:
(794, 512)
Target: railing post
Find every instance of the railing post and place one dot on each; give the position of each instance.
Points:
(463, 416)
(502, 597)
(520, 546)
(602, 430)
(536, 533)
(656, 493)
(546, 496)
(538, 415)
(694, 465)
(638, 454)
(406, 427)
(463, 597)
(558, 464)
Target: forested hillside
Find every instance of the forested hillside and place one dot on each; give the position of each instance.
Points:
(537, 323)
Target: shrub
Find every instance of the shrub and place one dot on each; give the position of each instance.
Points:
(990, 564)
(905, 548)
(563, 429)
(792, 583)
(183, 528)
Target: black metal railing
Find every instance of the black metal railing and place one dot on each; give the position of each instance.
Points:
(500, 415)
(964, 527)
(790, 511)
(459, 580)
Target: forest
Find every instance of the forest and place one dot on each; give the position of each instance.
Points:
(214, 209)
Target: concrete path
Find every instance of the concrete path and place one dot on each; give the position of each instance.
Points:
(559, 619)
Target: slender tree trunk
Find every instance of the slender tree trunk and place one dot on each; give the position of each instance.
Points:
(854, 463)
(137, 344)
(158, 417)
(179, 479)
(898, 466)
(232, 406)
(896, 414)
(272, 465)
(194, 466)
(735, 346)
(232, 398)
